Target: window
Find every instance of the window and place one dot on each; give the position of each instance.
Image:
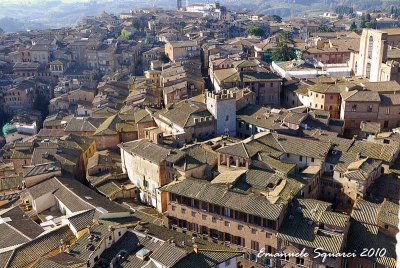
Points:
(369, 108)
(268, 235)
(227, 212)
(267, 262)
(253, 230)
(386, 124)
(227, 118)
(227, 223)
(354, 108)
(285, 257)
(255, 245)
(388, 110)
(359, 266)
(299, 261)
(312, 159)
(300, 158)
(386, 226)
(316, 95)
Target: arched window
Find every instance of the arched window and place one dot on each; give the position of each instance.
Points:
(370, 46)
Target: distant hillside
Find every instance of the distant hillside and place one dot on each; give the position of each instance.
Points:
(301, 8)
(21, 15)
(15, 25)
(56, 13)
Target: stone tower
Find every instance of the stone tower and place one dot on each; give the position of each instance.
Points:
(223, 107)
(373, 52)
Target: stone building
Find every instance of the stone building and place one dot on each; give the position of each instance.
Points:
(265, 85)
(149, 166)
(182, 50)
(373, 60)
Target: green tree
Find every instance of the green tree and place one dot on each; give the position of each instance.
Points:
(1, 31)
(42, 104)
(284, 51)
(372, 24)
(255, 30)
(353, 26)
(276, 18)
(363, 21)
(125, 34)
(344, 10)
(136, 25)
(324, 29)
(368, 22)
